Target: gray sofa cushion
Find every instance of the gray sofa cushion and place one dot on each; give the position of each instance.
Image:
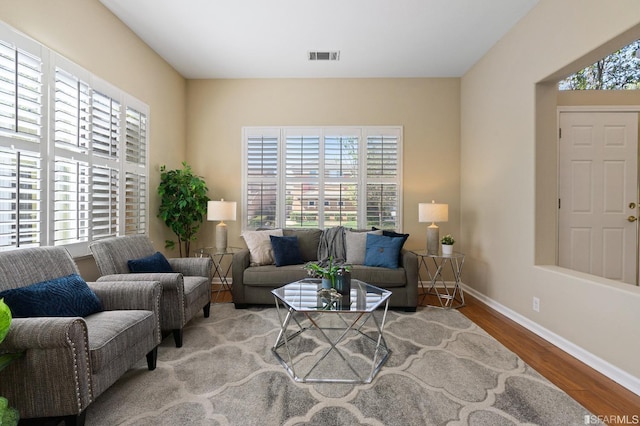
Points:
(379, 277)
(112, 333)
(273, 276)
(308, 241)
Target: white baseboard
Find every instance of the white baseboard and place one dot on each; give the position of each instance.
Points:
(611, 371)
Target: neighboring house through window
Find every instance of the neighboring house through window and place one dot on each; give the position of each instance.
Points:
(73, 151)
(322, 177)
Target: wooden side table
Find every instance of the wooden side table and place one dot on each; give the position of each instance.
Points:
(449, 295)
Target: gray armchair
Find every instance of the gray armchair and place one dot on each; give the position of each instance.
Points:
(68, 362)
(184, 292)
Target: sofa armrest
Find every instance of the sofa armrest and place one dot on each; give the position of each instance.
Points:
(240, 261)
(56, 355)
(171, 282)
(172, 301)
(192, 266)
(143, 295)
(410, 265)
(115, 295)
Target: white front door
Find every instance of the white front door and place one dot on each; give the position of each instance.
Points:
(598, 189)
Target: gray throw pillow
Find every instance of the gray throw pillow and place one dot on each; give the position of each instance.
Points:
(356, 243)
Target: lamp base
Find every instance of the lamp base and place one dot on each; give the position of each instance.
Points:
(433, 239)
(221, 237)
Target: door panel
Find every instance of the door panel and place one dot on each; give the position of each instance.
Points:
(597, 181)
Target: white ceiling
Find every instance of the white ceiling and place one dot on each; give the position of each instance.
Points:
(272, 38)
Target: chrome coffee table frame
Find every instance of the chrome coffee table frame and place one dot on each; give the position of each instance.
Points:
(300, 307)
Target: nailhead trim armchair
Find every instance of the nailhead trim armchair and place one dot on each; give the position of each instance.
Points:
(184, 292)
(69, 361)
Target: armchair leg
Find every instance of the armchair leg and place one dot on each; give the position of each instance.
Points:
(207, 310)
(152, 358)
(177, 336)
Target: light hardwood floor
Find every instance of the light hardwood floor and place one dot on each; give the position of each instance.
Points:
(596, 392)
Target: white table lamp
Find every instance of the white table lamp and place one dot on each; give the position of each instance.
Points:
(221, 210)
(432, 212)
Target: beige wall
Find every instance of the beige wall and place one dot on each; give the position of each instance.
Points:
(85, 32)
(472, 144)
(508, 199)
(428, 110)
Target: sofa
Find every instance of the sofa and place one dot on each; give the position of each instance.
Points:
(76, 338)
(252, 281)
(186, 281)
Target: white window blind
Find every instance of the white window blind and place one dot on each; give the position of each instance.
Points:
(135, 203)
(72, 112)
(322, 177)
(71, 202)
(383, 195)
(105, 202)
(261, 167)
(20, 92)
(20, 198)
(105, 126)
(73, 151)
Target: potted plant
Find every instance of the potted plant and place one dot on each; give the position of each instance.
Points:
(183, 204)
(330, 273)
(447, 244)
(8, 415)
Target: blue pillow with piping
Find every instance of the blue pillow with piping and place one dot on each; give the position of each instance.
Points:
(383, 251)
(154, 263)
(286, 250)
(68, 296)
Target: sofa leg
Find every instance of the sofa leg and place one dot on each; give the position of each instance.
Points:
(177, 336)
(241, 305)
(207, 310)
(152, 357)
(410, 309)
(77, 420)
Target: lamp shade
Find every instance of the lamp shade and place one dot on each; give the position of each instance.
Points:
(221, 210)
(432, 212)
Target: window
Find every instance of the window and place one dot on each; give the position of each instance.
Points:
(322, 177)
(73, 164)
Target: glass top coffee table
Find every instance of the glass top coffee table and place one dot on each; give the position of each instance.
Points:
(328, 337)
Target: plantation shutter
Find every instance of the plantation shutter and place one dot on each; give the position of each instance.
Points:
(383, 182)
(104, 202)
(136, 137)
(21, 134)
(262, 180)
(135, 165)
(73, 151)
(302, 174)
(135, 203)
(106, 125)
(341, 181)
(71, 201)
(20, 93)
(72, 112)
(323, 177)
(20, 198)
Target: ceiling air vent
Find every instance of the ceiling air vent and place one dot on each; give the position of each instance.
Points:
(324, 56)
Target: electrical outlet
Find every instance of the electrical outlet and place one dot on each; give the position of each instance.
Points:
(536, 304)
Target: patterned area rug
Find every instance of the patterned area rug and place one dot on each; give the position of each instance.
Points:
(443, 369)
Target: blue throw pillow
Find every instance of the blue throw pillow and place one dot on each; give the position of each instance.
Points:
(286, 250)
(68, 296)
(382, 251)
(154, 263)
(396, 235)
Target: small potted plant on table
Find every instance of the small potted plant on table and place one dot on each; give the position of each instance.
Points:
(447, 245)
(334, 275)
